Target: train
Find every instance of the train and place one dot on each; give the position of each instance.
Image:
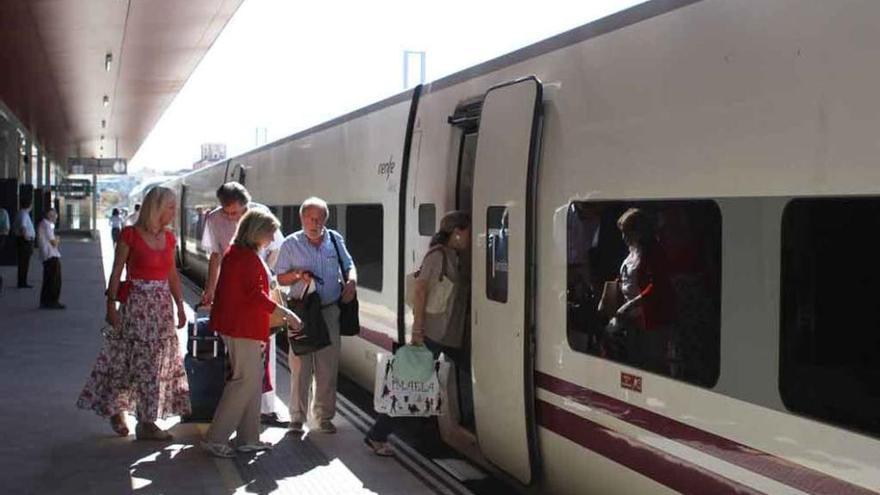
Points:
(745, 131)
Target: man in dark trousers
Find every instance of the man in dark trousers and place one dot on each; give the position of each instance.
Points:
(4, 233)
(23, 230)
(51, 257)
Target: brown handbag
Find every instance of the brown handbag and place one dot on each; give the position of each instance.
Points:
(278, 297)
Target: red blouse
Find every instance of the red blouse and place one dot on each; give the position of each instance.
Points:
(242, 305)
(144, 262)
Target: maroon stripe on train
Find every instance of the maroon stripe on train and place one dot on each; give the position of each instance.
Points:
(668, 470)
(377, 338)
(770, 466)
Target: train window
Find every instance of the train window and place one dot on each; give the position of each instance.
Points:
(363, 237)
(332, 218)
(496, 253)
(830, 343)
(290, 221)
(195, 223)
(647, 293)
(427, 219)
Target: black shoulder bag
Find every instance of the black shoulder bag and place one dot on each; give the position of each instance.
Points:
(349, 321)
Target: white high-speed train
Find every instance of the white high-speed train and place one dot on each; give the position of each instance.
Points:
(746, 131)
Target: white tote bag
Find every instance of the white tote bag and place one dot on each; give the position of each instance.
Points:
(439, 293)
(396, 397)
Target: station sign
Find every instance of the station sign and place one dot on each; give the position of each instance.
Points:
(98, 166)
(74, 188)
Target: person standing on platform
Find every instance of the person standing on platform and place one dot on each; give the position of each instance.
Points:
(116, 224)
(240, 313)
(139, 368)
(308, 255)
(48, 243)
(132, 218)
(24, 241)
(220, 226)
(4, 233)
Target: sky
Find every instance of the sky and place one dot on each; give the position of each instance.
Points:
(287, 65)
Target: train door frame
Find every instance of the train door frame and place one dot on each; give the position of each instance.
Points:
(467, 119)
(503, 320)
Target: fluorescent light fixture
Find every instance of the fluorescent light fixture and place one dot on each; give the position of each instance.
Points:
(107, 59)
(106, 100)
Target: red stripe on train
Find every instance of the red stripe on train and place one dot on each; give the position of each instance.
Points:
(377, 338)
(781, 470)
(661, 467)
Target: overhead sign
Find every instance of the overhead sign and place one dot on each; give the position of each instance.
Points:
(74, 188)
(99, 166)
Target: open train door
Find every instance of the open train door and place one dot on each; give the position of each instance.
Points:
(503, 274)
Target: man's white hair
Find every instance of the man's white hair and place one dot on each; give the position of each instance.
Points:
(314, 202)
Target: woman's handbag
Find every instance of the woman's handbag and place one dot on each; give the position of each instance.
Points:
(349, 317)
(123, 291)
(438, 294)
(276, 321)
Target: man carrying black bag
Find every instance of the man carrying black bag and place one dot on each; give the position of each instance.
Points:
(317, 256)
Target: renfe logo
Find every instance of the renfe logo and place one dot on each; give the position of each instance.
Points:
(387, 168)
(631, 382)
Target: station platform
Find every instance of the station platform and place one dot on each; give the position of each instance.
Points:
(50, 446)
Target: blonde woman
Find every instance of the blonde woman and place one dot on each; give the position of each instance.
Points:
(140, 370)
(240, 312)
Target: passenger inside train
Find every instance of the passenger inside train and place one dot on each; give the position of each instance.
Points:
(644, 285)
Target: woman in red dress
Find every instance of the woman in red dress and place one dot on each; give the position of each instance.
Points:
(139, 368)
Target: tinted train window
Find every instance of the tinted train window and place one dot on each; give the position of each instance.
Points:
(496, 253)
(427, 219)
(363, 237)
(654, 305)
(830, 342)
(290, 221)
(195, 223)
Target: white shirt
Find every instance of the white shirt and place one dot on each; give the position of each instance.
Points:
(219, 231)
(47, 233)
(116, 222)
(24, 224)
(132, 219)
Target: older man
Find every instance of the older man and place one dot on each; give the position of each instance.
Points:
(48, 243)
(307, 255)
(220, 226)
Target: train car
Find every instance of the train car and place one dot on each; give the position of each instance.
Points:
(743, 132)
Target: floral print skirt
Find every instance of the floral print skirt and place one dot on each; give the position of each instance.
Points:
(140, 370)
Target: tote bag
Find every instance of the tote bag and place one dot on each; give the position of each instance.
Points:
(415, 398)
(438, 293)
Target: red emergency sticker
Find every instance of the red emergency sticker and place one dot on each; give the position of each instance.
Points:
(631, 382)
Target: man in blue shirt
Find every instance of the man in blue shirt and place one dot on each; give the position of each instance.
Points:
(303, 254)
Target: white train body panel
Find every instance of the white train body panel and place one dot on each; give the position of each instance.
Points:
(746, 103)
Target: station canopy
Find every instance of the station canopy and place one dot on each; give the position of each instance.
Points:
(73, 71)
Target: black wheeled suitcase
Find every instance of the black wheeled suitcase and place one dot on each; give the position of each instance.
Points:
(205, 365)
